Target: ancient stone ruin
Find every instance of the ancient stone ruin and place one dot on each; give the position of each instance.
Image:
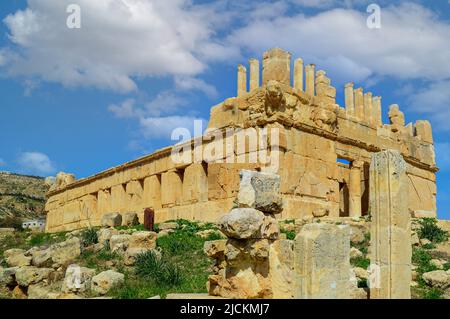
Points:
(321, 150)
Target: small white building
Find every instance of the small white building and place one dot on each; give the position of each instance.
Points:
(36, 224)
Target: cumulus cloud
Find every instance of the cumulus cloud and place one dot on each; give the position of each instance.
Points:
(335, 36)
(119, 40)
(35, 163)
(433, 100)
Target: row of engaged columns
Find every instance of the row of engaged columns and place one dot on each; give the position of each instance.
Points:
(363, 106)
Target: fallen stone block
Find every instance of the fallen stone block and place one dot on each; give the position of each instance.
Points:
(111, 220)
(106, 280)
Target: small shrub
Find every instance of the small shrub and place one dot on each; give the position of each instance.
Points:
(180, 242)
(11, 222)
(360, 262)
(431, 231)
(148, 265)
(289, 234)
(362, 283)
(89, 237)
(432, 293)
(39, 239)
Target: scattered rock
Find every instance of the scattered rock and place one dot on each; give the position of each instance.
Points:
(143, 239)
(130, 219)
(168, 225)
(38, 291)
(26, 276)
(260, 190)
(105, 235)
(207, 233)
(41, 258)
(242, 223)
(16, 258)
(415, 239)
(19, 293)
(8, 276)
(107, 280)
(112, 220)
(355, 253)
(119, 243)
(357, 233)
(288, 227)
(270, 228)
(66, 251)
(437, 278)
(361, 273)
(424, 242)
(77, 279)
(439, 264)
(321, 212)
(165, 232)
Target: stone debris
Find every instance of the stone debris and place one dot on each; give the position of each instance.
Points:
(111, 220)
(106, 280)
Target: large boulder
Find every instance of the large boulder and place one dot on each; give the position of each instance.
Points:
(143, 239)
(66, 251)
(260, 190)
(112, 220)
(242, 223)
(78, 279)
(215, 248)
(119, 243)
(437, 278)
(41, 258)
(106, 280)
(8, 276)
(16, 258)
(26, 276)
(130, 219)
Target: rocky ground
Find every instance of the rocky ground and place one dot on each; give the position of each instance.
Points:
(21, 197)
(128, 262)
(108, 262)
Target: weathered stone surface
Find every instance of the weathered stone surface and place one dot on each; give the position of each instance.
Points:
(424, 214)
(215, 248)
(168, 226)
(281, 265)
(242, 223)
(112, 220)
(361, 273)
(355, 253)
(437, 278)
(270, 228)
(119, 243)
(322, 264)
(26, 276)
(16, 258)
(143, 239)
(41, 257)
(260, 191)
(38, 291)
(104, 234)
(165, 232)
(130, 219)
(106, 280)
(7, 276)
(66, 251)
(390, 226)
(19, 293)
(77, 279)
(209, 232)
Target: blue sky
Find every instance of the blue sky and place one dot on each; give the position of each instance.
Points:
(83, 100)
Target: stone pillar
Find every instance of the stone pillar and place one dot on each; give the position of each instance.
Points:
(377, 112)
(298, 74)
(354, 189)
(368, 108)
(241, 80)
(310, 79)
(349, 99)
(277, 66)
(171, 188)
(390, 227)
(359, 103)
(254, 74)
(321, 262)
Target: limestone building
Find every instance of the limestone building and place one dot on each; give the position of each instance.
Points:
(320, 149)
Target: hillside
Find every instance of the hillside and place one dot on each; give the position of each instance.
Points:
(21, 196)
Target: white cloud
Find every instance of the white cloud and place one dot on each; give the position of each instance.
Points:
(35, 163)
(119, 40)
(162, 127)
(189, 83)
(411, 44)
(443, 156)
(433, 100)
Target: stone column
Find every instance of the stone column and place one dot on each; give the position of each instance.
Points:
(241, 80)
(368, 108)
(298, 74)
(377, 113)
(390, 227)
(359, 103)
(422, 129)
(349, 99)
(321, 262)
(354, 189)
(277, 66)
(310, 79)
(254, 74)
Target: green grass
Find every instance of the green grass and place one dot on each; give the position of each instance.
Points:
(421, 257)
(431, 231)
(289, 234)
(89, 237)
(361, 262)
(98, 260)
(183, 267)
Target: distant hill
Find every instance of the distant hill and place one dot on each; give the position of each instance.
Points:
(22, 196)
